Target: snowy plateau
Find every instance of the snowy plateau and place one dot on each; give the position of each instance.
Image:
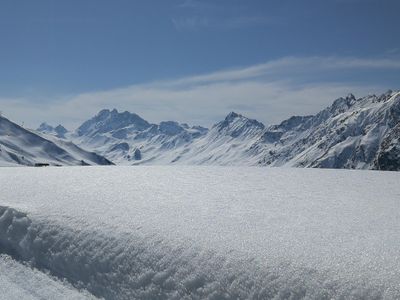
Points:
(195, 232)
(352, 133)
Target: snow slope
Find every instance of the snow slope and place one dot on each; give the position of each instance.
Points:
(207, 232)
(352, 133)
(20, 146)
(19, 281)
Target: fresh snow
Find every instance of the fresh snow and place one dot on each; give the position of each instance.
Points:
(19, 281)
(206, 232)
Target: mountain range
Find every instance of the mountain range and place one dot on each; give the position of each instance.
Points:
(21, 146)
(352, 133)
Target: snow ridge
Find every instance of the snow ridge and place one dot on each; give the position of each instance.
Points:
(243, 237)
(135, 267)
(142, 267)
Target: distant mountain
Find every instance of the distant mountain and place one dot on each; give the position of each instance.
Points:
(352, 133)
(20, 146)
(126, 138)
(59, 131)
(236, 125)
(112, 121)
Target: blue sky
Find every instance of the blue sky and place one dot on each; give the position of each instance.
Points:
(192, 60)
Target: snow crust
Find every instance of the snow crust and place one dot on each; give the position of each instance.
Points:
(207, 232)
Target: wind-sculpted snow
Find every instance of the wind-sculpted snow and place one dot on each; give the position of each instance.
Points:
(206, 232)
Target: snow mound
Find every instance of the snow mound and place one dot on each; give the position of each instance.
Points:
(207, 233)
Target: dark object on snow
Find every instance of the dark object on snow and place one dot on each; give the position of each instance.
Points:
(137, 154)
(41, 165)
(84, 163)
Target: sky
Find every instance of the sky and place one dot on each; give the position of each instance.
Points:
(192, 61)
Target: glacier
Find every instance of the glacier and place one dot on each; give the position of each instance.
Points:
(194, 232)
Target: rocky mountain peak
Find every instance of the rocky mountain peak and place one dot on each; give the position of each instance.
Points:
(235, 124)
(107, 121)
(58, 131)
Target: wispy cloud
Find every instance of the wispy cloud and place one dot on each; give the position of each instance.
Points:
(284, 67)
(198, 15)
(196, 4)
(268, 92)
(191, 23)
(393, 51)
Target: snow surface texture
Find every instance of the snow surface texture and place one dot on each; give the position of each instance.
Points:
(207, 232)
(20, 146)
(19, 281)
(352, 133)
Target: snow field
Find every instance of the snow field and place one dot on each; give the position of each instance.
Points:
(207, 232)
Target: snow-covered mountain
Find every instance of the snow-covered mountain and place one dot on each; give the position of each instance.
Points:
(58, 131)
(20, 146)
(352, 133)
(125, 138)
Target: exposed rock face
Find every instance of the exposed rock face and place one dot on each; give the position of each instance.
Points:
(137, 154)
(106, 121)
(388, 157)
